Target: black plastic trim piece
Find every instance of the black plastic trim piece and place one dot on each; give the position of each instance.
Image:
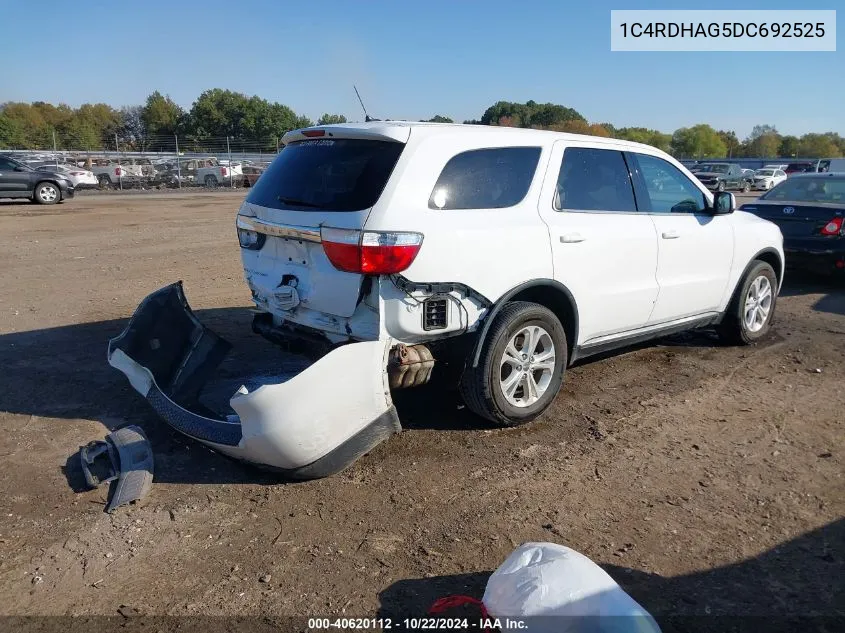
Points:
(439, 287)
(488, 319)
(585, 351)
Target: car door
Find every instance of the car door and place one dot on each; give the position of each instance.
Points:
(603, 250)
(695, 248)
(14, 177)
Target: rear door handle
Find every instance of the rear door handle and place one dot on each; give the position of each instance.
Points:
(571, 238)
(671, 235)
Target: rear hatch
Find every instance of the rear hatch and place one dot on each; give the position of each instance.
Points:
(331, 180)
(797, 219)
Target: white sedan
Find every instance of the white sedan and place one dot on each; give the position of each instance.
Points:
(77, 175)
(767, 178)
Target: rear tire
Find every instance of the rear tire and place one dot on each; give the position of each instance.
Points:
(752, 308)
(211, 182)
(47, 193)
(104, 182)
(521, 366)
(746, 188)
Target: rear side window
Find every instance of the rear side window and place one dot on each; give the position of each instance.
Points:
(327, 174)
(485, 178)
(594, 180)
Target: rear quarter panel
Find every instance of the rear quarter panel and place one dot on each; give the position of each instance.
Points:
(490, 250)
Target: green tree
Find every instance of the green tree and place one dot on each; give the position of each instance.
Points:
(788, 147)
(12, 134)
(529, 114)
(329, 119)
(729, 138)
(763, 142)
(645, 135)
(818, 146)
(698, 141)
(438, 118)
(161, 116)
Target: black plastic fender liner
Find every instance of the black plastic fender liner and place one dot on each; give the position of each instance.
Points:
(166, 339)
(491, 315)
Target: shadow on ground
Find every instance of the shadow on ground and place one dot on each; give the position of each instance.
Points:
(801, 578)
(832, 287)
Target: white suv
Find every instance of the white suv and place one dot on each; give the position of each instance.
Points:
(494, 255)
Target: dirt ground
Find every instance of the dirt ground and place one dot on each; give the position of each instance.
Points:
(705, 479)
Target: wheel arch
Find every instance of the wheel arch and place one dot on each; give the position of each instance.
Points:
(768, 255)
(52, 181)
(545, 292)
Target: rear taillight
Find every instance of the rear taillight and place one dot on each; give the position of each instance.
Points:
(834, 227)
(370, 252)
(224, 172)
(118, 172)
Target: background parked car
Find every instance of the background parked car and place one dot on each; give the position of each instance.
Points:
(81, 178)
(810, 211)
(801, 167)
(252, 173)
(18, 180)
(832, 165)
(722, 176)
(749, 176)
(767, 178)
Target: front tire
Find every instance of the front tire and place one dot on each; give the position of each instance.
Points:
(746, 187)
(47, 193)
(751, 310)
(720, 186)
(521, 366)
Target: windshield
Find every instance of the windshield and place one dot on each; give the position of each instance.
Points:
(327, 174)
(765, 172)
(803, 189)
(713, 168)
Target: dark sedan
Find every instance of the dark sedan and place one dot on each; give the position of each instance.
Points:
(810, 211)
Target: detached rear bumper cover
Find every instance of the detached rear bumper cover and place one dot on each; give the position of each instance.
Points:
(312, 425)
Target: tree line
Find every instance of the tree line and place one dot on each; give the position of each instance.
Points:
(219, 113)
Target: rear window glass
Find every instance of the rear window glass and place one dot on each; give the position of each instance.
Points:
(327, 174)
(485, 178)
(808, 189)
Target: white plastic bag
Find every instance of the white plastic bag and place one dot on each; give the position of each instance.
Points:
(554, 589)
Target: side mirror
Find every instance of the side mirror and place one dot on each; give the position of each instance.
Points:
(19, 168)
(724, 203)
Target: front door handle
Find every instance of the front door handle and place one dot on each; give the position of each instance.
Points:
(571, 238)
(670, 235)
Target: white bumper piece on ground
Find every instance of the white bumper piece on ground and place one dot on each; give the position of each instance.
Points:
(312, 425)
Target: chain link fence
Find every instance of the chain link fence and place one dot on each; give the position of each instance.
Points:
(151, 162)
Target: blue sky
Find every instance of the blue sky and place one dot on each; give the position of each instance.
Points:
(413, 60)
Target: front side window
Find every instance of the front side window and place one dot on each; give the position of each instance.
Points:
(594, 180)
(493, 178)
(669, 191)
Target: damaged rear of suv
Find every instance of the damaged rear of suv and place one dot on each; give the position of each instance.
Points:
(389, 251)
